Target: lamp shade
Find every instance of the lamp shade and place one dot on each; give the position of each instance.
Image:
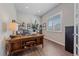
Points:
(13, 26)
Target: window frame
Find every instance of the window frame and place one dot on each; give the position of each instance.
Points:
(59, 13)
(53, 27)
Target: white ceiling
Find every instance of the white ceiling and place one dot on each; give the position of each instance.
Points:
(34, 8)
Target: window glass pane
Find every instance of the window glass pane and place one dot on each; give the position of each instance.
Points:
(77, 39)
(57, 23)
(50, 24)
(77, 50)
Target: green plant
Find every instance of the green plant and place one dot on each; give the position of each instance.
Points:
(35, 26)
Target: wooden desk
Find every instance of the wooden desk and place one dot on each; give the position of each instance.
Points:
(21, 43)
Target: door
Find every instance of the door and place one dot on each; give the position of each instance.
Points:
(69, 38)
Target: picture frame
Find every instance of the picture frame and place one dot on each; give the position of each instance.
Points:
(28, 26)
(44, 26)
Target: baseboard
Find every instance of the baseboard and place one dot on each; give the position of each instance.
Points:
(55, 42)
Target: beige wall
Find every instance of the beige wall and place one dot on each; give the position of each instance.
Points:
(67, 20)
(7, 13)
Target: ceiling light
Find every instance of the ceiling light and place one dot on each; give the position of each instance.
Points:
(26, 7)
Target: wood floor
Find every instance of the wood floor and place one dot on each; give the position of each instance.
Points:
(50, 49)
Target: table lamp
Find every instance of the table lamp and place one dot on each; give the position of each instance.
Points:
(13, 26)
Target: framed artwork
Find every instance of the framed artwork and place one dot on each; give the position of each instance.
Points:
(44, 26)
(28, 26)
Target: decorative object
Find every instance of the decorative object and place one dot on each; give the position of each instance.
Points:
(21, 29)
(33, 33)
(13, 26)
(44, 26)
(21, 26)
(40, 29)
(35, 26)
(28, 26)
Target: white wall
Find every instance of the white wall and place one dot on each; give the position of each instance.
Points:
(67, 20)
(27, 18)
(7, 13)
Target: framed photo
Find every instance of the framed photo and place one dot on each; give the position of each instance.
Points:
(44, 26)
(28, 26)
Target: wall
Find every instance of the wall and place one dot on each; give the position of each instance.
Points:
(27, 18)
(67, 20)
(7, 13)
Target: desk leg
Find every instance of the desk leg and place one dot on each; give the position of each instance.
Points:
(42, 45)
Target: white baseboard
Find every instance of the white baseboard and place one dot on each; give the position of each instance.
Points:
(55, 41)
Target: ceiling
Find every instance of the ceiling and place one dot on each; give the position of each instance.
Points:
(38, 9)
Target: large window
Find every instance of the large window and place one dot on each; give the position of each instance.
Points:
(55, 22)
